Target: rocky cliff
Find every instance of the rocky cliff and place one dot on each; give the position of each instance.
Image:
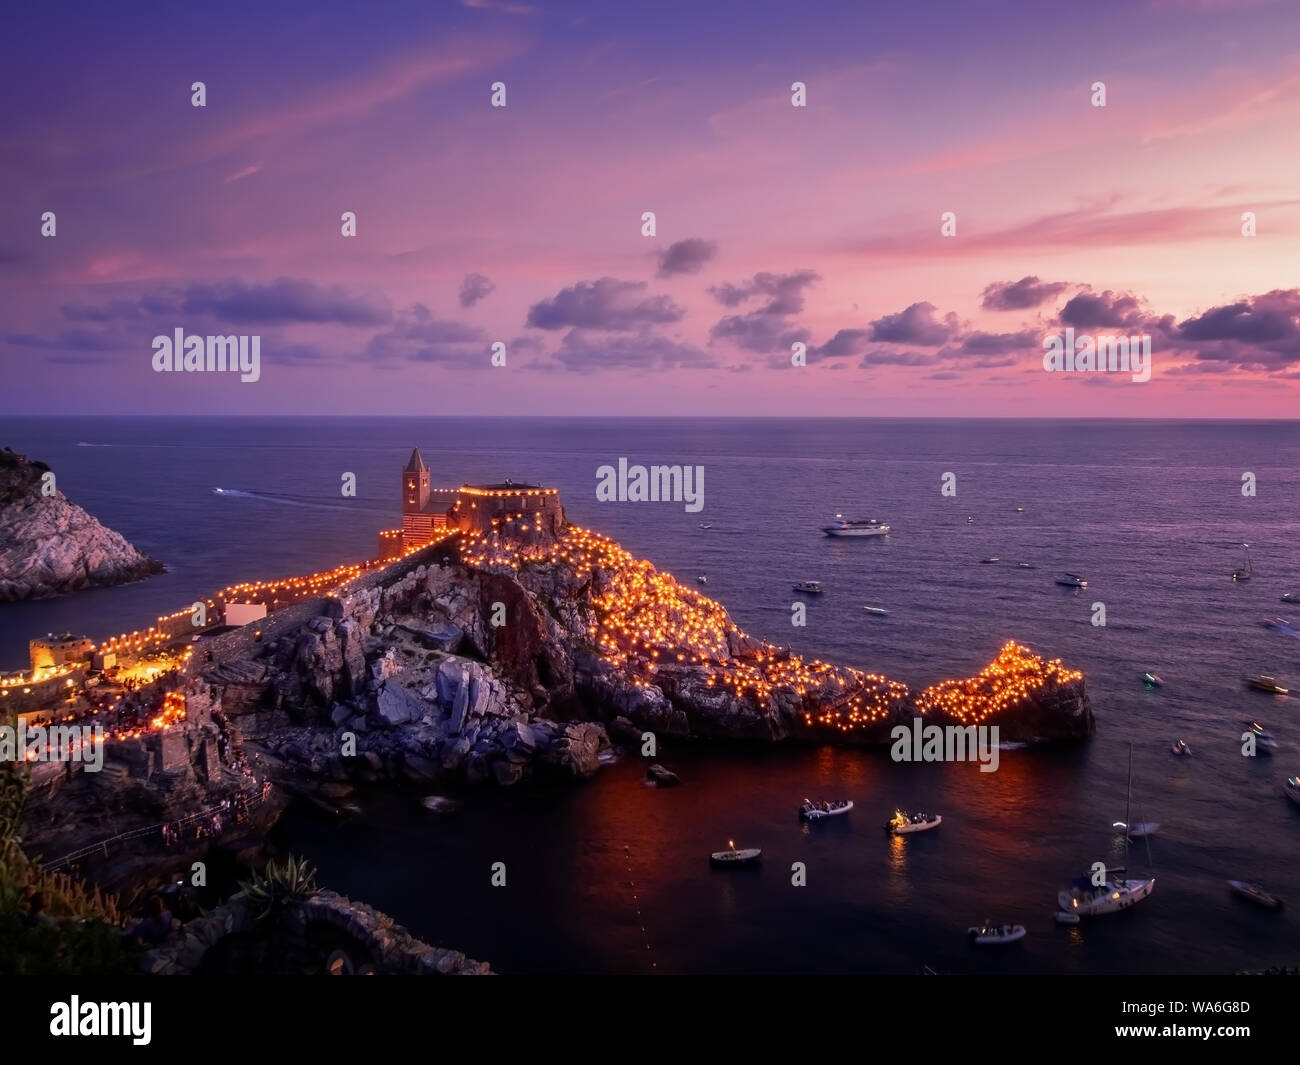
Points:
(508, 660)
(49, 545)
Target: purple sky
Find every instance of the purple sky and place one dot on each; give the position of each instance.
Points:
(775, 224)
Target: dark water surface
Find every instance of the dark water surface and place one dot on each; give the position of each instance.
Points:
(1151, 513)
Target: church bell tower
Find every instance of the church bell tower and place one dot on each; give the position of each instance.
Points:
(415, 485)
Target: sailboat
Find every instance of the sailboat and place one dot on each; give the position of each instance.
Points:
(1119, 892)
(1248, 572)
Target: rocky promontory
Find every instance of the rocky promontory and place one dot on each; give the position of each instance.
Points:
(501, 660)
(49, 545)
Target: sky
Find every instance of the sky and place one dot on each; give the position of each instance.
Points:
(775, 226)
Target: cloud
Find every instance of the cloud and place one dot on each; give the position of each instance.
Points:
(981, 343)
(915, 325)
(604, 304)
(510, 7)
(643, 350)
(1021, 295)
(284, 301)
(1253, 333)
(75, 340)
(784, 291)
(474, 288)
(239, 175)
(686, 257)
(417, 336)
(1107, 310)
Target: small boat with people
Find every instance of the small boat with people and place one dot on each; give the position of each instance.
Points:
(733, 857)
(1071, 580)
(1180, 748)
(816, 811)
(989, 934)
(1264, 741)
(879, 611)
(1264, 682)
(904, 824)
(808, 587)
(841, 527)
(1256, 894)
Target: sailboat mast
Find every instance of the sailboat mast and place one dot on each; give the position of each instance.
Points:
(1128, 808)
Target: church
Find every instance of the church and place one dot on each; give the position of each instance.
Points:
(430, 513)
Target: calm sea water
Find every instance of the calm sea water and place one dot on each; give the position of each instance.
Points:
(1151, 513)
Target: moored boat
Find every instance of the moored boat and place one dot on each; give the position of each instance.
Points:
(1256, 894)
(815, 811)
(990, 560)
(1152, 680)
(733, 857)
(904, 824)
(1263, 682)
(870, 527)
(1292, 789)
(990, 934)
(808, 587)
(879, 611)
(1071, 580)
(1062, 917)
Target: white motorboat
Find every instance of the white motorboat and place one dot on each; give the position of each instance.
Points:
(1024, 565)
(816, 811)
(1117, 891)
(706, 525)
(1265, 683)
(1256, 894)
(809, 587)
(1152, 680)
(879, 611)
(869, 527)
(1071, 580)
(989, 934)
(732, 857)
(1180, 748)
(903, 824)
(702, 579)
(990, 560)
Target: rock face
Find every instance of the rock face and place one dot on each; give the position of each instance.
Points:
(504, 663)
(49, 545)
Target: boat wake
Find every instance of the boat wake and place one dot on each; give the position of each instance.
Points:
(292, 501)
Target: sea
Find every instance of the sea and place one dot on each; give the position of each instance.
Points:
(610, 876)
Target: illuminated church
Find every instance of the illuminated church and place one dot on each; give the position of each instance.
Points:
(430, 513)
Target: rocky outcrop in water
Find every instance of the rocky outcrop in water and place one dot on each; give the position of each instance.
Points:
(49, 545)
(504, 663)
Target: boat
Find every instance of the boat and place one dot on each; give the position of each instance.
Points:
(1152, 680)
(1141, 829)
(809, 587)
(879, 611)
(1071, 580)
(902, 824)
(702, 579)
(706, 525)
(1023, 565)
(1265, 683)
(816, 811)
(1291, 597)
(1244, 574)
(1062, 917)
(970, 520)
(1118, 891)
(1256, 894)
(1020, 510)
(1180, 747)
(733, 857)
(661, 776)
(991, 559)
(841, 527)
(1292, 789)
(989, 934)
(1280, 624)
(1264, 741)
